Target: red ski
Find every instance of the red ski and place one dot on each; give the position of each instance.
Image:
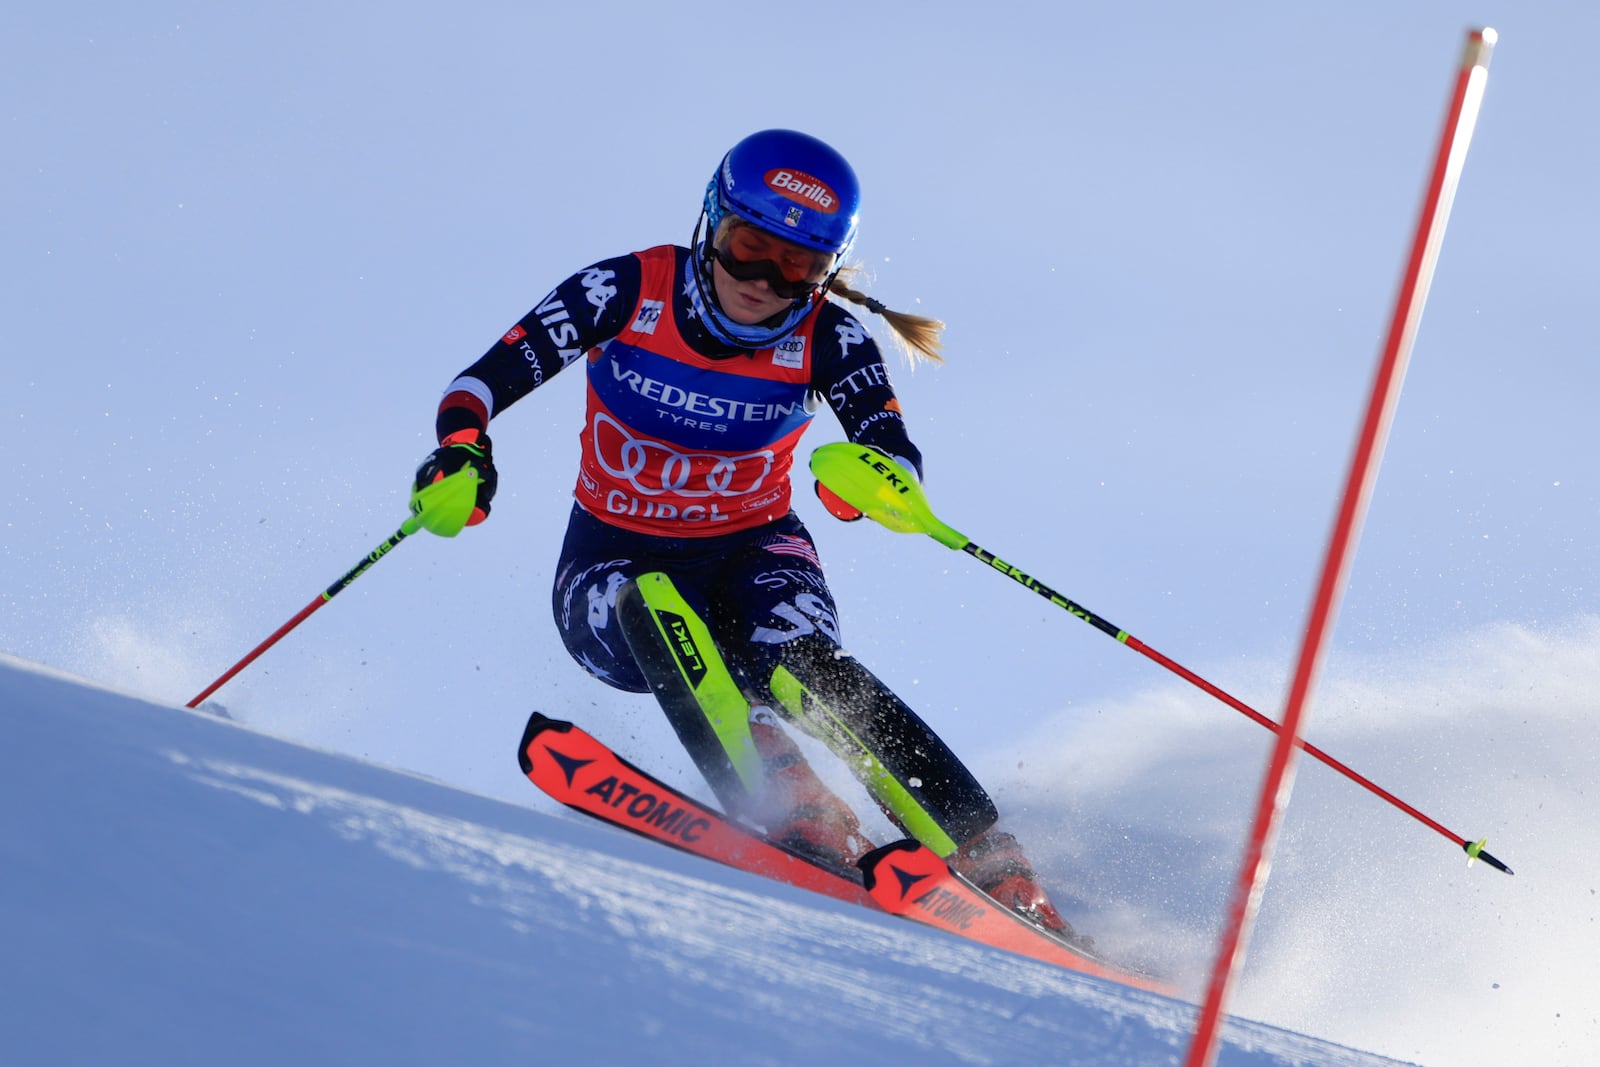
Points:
(905, 879)
(585, 775)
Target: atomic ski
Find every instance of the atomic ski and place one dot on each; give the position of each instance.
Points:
(585, 775)
(906, 878)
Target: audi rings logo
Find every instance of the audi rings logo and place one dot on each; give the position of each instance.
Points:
(653, 468)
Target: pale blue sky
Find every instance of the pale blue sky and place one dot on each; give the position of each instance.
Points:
(245, 248)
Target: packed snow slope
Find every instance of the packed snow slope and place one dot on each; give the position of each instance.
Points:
(184, 890)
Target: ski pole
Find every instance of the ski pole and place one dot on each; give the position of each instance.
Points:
(883, 490)
(441, 508)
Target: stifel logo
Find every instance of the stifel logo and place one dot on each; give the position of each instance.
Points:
(803, 189)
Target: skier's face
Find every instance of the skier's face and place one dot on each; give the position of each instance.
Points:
(758, 275)
(748, 302)
(746, 252)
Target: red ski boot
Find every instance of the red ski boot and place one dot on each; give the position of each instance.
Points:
(993, 861)
(809, 818)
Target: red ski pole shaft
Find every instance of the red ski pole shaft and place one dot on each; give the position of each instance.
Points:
(1311, 750)
(409, 527)
(1473, 849)
(882, 489)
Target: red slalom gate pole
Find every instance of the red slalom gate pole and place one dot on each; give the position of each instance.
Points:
(1413, 294)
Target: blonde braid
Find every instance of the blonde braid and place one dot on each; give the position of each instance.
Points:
(917, 335)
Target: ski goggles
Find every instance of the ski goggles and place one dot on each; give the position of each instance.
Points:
(749, 254)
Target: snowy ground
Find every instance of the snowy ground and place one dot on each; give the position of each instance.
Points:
(183, 890)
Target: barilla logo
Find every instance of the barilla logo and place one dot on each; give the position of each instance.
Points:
(803, 189)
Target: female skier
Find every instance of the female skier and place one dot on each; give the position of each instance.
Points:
(684, 571)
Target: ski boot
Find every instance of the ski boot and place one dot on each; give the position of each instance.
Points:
(808, 818)
(993, 861)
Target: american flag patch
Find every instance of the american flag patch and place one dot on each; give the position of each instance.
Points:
(790, 545)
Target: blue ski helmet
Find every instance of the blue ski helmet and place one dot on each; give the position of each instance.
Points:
(791, 185)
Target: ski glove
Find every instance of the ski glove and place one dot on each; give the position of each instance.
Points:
(842, 509)
(464, 448)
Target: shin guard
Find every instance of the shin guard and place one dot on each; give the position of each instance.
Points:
(911, 773)
(706, 707)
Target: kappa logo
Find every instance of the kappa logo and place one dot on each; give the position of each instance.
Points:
(850, 334)
(597, 282)
(649, 314)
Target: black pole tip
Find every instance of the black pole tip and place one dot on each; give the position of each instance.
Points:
(1496, 864)
(1475, 851)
